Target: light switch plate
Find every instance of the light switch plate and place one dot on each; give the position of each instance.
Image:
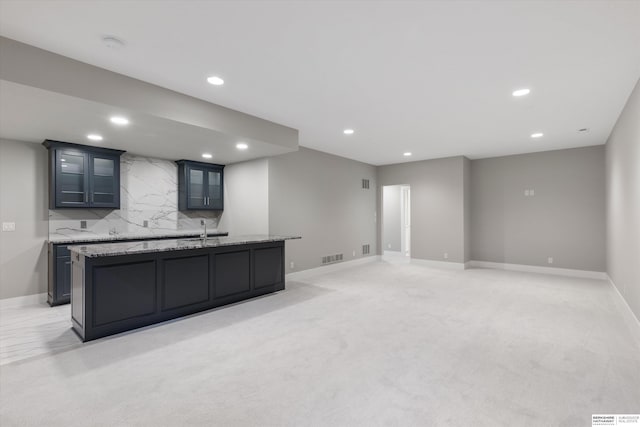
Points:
(8, 226)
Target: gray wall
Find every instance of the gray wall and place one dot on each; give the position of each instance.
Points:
(23, 253)
(565, 219)
(466, 182)
(437, 205)
(391, 212)
(246, 198)
(320, 197)
(623, 202)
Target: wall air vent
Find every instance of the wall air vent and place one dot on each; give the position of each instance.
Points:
(365, 184)
(330, 259)
(365, 249)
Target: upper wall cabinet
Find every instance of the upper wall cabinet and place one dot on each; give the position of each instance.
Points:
(83, 177)
(200, 186)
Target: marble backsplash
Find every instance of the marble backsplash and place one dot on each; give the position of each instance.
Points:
(148, 192)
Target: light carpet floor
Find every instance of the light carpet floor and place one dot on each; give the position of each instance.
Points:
(379, 344)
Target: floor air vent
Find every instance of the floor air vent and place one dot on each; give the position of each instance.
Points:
(365, 249)
(329, 259)
(365, 184)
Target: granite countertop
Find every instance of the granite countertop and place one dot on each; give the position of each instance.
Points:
(129, 248)
(90, 237)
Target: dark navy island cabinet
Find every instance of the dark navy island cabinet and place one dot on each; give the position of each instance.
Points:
(200, 186)
(81, 176)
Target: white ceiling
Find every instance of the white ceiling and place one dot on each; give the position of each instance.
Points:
(434, 77)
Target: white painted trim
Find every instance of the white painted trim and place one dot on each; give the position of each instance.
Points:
(624, 301)
(303, 274)
(584, 274)
(23, 301)
(438, 264)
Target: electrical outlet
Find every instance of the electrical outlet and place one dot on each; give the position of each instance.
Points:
(389, 245)
(354, 253)
(145, 223)
(83, 225)
(526, 193)
(292, 265)
(532, 192)
(8, 226)
(550, 260)
(446, 255)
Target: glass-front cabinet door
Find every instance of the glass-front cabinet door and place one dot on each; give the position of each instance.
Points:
(72, 179)
(81, 176)
(105, 187)
(197, 189)
(214, 189)
(200, 186)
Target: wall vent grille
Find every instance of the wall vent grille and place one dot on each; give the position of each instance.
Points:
(330, 259)
(365, 249)
(365, 184)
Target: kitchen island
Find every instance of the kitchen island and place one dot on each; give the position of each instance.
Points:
(116, 287)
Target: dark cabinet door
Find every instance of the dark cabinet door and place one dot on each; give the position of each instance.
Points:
(196, 188)
(104, 181)
(200, 186)
(63, 278)
(72, 179)
(83, 177)
(214, 189)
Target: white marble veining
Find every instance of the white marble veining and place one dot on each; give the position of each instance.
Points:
(148, 192)
(129, 248)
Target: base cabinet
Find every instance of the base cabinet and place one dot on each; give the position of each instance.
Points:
(59, 280)
(118, 293)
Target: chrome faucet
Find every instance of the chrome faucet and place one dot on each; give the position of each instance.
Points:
(203, 236)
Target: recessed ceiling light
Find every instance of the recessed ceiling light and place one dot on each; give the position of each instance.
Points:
(215, 80)
(348, 131)
(407, 154)
(94, 137)
(537, 135)
(241, 146)
(521, 92)
(207, 155)
(119, 120)
(583, 130)
(112, 42)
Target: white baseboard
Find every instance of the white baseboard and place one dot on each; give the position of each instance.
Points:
(585, 274)
(439, 264)
(624, 301)
(23, 301)
(297, 275)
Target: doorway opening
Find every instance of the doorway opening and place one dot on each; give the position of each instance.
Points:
(396, 221)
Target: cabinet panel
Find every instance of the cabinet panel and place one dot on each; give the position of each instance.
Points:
(63, 277)
(123, 291)
(185, 281)
(268, 267)
(232, 273)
